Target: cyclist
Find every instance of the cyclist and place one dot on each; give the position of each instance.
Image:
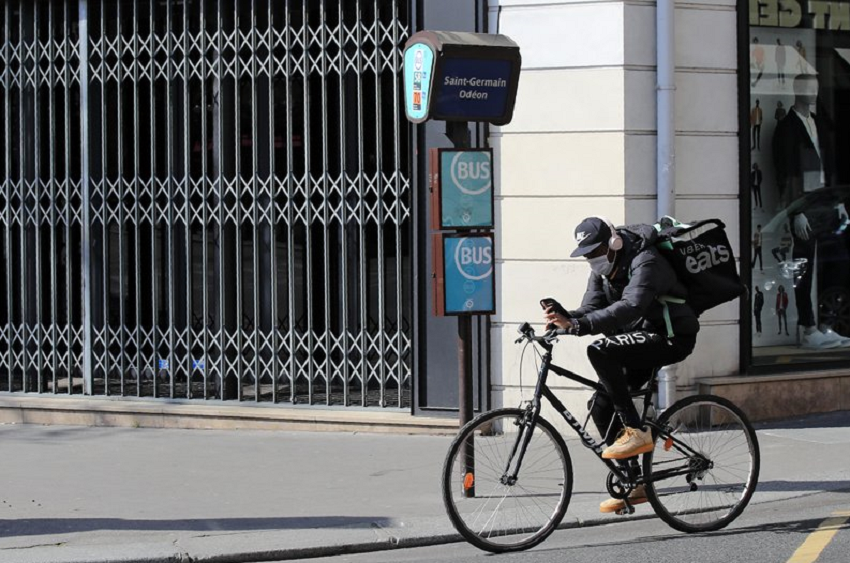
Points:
(640, 331)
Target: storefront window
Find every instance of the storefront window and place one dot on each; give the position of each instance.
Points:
(799, 170)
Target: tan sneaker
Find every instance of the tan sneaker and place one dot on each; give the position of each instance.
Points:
(632, 442)
(637, 496)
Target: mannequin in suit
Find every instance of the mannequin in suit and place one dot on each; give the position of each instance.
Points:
(803, 167)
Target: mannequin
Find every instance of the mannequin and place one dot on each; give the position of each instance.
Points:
(803, 168)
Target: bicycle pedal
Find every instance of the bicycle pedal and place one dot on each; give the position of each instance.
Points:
(625, 510)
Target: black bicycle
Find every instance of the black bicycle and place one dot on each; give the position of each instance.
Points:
(508, 478)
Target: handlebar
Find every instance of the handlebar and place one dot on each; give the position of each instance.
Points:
(527, 332)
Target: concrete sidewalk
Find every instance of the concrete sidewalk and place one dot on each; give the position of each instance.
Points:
(82, 494)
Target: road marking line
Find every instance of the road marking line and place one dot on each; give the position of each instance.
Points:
(818, 540)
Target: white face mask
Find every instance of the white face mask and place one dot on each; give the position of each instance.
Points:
(601, 265)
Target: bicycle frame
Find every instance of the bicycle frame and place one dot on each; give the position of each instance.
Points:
(627, 476)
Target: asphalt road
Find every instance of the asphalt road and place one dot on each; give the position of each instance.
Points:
(766, 533)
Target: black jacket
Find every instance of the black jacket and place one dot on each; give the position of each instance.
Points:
(794, 155)
(758, 302)
(628, 301)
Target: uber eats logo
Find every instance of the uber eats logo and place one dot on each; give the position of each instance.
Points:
(701, 257)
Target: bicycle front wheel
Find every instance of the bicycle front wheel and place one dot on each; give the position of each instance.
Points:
(490, 508)
(704, 468)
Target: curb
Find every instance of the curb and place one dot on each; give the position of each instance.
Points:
(392, 543)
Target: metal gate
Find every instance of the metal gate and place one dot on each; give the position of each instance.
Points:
(206, 199)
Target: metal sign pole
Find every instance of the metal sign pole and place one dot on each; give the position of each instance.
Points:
(458, 134)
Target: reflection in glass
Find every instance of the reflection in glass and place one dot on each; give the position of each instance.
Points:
(798, 191)
(793, 269)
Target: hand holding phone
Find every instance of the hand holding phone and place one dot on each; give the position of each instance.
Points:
(551, 305)
(548, 302)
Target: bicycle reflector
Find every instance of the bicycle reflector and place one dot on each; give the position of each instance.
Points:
(668, 444)
(468, 481)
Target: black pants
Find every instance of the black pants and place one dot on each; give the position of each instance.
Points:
(757, 195)
(803, 289)
(757, 256)
(780, 253)
(782, 315)
(757, 314)
(827, 253)
(625, 362)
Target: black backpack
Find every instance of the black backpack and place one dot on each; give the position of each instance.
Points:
(702, 257)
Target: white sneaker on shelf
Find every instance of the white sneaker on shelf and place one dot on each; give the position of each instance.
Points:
(816, 340)
(843, 341)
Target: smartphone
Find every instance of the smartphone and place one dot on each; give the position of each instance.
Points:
(547, 302)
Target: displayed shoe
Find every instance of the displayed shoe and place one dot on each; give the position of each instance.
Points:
(637, 496)
(631, 442)
(816, 340)
(843, 341)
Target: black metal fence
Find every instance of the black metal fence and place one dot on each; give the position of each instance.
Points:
(206, 199)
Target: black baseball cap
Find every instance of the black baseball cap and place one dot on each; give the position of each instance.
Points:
(590, 233)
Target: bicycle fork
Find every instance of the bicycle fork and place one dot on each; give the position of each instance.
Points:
(527, 425)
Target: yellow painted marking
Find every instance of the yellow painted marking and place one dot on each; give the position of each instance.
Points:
(818, 540)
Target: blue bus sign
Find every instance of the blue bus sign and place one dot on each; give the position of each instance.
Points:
(461, 188)
(465, 275)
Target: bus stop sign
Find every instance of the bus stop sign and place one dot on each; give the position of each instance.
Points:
(461, 188)
(455, 76)
(464, 279)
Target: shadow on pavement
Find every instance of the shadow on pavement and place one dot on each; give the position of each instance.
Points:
(779, 486)
(838, 419)
(45, 526)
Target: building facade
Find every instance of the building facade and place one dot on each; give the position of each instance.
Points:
(583, 142)
(222, 200)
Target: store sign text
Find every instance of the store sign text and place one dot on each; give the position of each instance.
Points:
(816, 14)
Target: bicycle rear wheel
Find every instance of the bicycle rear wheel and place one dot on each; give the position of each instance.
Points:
(704, 468)
(484, 504)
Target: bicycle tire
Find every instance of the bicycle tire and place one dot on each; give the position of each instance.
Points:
(716, 488)
(544, 482)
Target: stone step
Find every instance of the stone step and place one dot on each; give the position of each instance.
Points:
(768, 397)
(140, 413)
